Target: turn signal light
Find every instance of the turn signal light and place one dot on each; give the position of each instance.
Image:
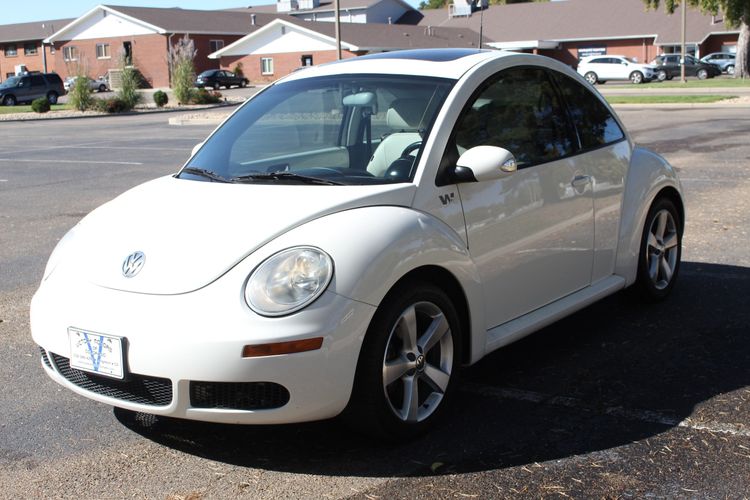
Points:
(256, 351)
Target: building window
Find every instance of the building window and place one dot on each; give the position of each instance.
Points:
(216, 45)
(266, 65)
(11, 50)
(29, 49)
(70, 53)
(102, 51)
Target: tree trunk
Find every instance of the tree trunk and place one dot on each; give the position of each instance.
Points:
(741, 69)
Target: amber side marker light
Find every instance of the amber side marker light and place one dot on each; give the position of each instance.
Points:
(256, 351)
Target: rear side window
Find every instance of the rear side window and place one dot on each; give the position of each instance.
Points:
(37, 81)
(595, 124)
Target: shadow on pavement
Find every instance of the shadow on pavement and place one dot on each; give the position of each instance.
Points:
(666, 358)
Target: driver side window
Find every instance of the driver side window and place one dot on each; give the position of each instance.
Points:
(518, 110)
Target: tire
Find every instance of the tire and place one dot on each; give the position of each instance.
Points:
(662, 75)
(243, 84)
(9, 100)
(730, 70)
(52, 97)
(702, 74)
(102, 88)
(661, 249)
(217, 86)
(408, 364)
(591, 77)
(636, 77)
(670, 77)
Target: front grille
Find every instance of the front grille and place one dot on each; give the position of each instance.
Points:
(45, 358)
(140, 389)
(238, 395)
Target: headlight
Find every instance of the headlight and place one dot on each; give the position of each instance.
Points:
(288, 281)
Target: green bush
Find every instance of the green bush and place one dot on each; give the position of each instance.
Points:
(111, 105)
(40, 105)
(238, 70)
(181, 56)
(203, 96)
(80, 94)
(160, 98)
(128, 93)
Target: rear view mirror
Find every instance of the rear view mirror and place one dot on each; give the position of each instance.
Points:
(362, 100)
(484, 163)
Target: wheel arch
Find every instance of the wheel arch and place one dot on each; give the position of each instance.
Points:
(649, 177)
(446, 281)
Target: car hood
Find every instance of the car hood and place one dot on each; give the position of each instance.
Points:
(193, 232)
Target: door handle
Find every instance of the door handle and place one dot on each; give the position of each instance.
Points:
(581, 181)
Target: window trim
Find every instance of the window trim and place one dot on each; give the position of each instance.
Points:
(70, 53)
(106, 50)
(219, 44)
(15, 50)
(262, 70)
(33, 52)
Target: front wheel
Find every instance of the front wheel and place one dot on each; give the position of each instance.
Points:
(217, 86)
(102, 88)
(730, 70)
(591, 77)
(9, 100)
(661, 249)
(636, 77)
(408, 364)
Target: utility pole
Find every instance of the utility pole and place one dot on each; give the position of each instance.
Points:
(682, 40)
(338, 29)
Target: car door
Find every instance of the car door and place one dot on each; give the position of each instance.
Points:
(530, 233)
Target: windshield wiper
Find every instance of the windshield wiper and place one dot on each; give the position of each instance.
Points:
(202, 172)
(286, 176)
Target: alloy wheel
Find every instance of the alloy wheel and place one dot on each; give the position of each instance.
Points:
(662, 249)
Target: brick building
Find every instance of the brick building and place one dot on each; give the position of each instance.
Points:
(95, 42)
(21, 45)
(568, 30)
(285, 45)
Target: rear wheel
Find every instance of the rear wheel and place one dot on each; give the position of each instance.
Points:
(102, 88)
(636, 77)
(591, 77)
(52, 97)
(217, 86)
(662, 75)
(661, 249)
(408, 363)
(702, 74)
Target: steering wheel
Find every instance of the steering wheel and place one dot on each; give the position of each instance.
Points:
(410, 148)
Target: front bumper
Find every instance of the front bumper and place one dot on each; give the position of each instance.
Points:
(190, 346)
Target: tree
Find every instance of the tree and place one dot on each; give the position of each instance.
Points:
(736, 13)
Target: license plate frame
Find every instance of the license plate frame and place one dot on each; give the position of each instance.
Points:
(97, 353)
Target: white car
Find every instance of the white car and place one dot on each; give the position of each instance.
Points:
(600, 69)
(353, 235)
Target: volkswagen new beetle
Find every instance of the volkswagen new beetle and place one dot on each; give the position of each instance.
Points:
(354, 234)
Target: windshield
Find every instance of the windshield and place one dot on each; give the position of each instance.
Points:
(208, 72)
(346, 129)
(11, 81)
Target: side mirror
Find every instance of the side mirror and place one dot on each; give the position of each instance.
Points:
(484, 163)
(196, 148)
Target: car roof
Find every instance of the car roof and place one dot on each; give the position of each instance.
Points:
(442, 63)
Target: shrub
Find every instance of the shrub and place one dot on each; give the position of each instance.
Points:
(160, 98)
(203, 96)
(111, 105)
(181, 56)
(238, 70)
(80, 94)
(40, 105)
(128, 92)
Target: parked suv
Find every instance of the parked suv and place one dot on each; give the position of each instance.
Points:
(27, 87)
(668, 66)
(723, 60)
(599, 69)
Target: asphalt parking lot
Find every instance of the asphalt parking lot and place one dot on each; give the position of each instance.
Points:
(619, 400)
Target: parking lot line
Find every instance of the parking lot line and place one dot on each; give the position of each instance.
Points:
(648, 416)
(18, 160)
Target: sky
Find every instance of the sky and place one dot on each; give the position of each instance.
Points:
(14, 11)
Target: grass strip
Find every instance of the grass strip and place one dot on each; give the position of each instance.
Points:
(667, 99)
(4, 110)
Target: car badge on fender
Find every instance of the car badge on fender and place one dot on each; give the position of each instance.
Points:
(133, 264)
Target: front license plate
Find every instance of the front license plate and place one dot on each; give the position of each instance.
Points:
(96, 353)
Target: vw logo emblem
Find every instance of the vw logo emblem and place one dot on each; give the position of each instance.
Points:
(133, 264)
